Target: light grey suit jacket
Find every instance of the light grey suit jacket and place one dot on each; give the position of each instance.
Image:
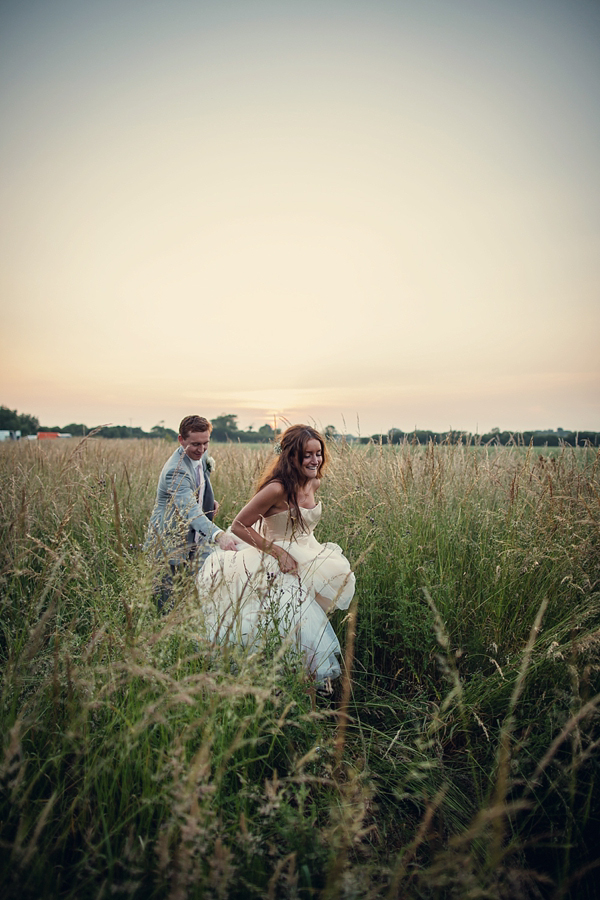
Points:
(177, 516)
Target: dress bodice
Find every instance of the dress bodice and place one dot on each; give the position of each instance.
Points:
(283, 527)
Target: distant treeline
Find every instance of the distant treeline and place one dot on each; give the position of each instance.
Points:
(520, 438)
(225, 428)
(113, 431)
(11, 420)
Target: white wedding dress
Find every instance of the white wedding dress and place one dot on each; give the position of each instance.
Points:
(244, 593)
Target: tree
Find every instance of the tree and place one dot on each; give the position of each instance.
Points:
(225, 428)
(8, 419)
(227, 421)
(77, 429)
(160, 431)
(11, 420)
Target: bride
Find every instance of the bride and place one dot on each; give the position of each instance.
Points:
(280, 576)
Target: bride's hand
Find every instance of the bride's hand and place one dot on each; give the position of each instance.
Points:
(287, 563)
(226, 541)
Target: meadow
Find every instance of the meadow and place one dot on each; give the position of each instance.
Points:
(458, 757)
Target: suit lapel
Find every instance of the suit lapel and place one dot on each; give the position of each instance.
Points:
(208, 501)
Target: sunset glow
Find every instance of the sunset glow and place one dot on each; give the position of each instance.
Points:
(370, 214)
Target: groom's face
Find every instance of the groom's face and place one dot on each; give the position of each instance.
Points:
(195, 444)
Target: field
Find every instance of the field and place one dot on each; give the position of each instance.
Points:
(458, 757)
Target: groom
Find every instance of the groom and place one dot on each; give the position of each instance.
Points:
(181, 526)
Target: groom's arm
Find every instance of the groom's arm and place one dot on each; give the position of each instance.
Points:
(182, 495)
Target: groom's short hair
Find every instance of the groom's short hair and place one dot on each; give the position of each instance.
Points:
(193, 423)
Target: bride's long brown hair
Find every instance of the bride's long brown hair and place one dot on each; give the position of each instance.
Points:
(286, 468)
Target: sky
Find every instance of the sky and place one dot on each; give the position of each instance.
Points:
(367, 214)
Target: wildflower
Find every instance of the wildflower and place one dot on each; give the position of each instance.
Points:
(554, 652)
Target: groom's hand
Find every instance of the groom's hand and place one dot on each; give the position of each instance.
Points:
(225, 541)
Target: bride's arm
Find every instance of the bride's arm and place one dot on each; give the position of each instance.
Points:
(268, 500)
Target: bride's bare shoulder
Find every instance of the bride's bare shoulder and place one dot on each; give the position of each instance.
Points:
(268, 500)
(273, 498)
(274, 490)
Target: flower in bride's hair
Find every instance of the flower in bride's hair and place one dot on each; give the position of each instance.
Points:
(210, 464)
(277, 448)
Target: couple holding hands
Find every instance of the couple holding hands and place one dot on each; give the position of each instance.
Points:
(267, 570)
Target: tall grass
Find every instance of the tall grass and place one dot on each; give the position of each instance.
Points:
(459, 758)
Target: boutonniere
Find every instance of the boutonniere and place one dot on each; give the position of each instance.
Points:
(210, 464)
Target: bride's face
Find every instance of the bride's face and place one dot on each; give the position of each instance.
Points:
(312, 457)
